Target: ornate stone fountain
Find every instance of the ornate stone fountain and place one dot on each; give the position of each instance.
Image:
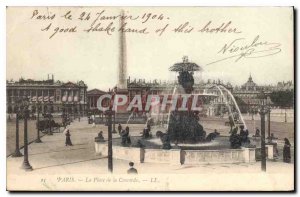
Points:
(184, 126)
(184, 141)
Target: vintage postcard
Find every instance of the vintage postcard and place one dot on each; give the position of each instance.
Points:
(150, 98)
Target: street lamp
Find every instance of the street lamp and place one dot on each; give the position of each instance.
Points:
(110, 113)
(114, 116)
(49, 120)
(285, 118)
(74, 117)
(110, 152)
(114, 123)
(26, 165)
(263, 111)
(17, 152)
(269, 122)
(63, 115)
(38, 139)
(252, 112)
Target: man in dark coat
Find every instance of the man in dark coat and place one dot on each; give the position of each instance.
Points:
(287, 151)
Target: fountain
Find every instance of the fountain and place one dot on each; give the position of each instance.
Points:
(183, 140)
(184, 126)
(236, 105)
(227, 104)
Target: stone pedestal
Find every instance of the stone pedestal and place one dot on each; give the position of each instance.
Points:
(175, 156)
(270, 151)
(101, 148)
(249, 155)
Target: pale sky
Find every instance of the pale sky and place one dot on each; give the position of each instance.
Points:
(93, 57)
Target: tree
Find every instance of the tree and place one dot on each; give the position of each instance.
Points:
(283, 98)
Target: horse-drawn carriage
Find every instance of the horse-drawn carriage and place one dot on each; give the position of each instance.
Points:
(44, 125)
(47, 122)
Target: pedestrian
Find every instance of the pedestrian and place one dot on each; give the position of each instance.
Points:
(119, 128)
(257, 132)
(131, 170)
(287, 151)
(128, 140)
(68, 138)
(123, 137)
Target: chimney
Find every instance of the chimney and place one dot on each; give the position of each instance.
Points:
(52, 77)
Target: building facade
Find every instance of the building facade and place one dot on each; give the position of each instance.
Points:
(249, 93)
(92, 99)
(49, 95)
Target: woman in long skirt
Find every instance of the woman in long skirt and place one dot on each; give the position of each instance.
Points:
(68, 139)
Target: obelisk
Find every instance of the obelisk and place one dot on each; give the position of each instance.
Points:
(122, 84)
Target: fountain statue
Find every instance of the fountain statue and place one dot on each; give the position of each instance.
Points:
(184, 126)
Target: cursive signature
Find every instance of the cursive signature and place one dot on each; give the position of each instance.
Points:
(237, 49)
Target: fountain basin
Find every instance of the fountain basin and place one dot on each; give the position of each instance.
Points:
(187, 155)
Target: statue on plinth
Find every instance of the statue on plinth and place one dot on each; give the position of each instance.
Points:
(100, 137)
(165, 139)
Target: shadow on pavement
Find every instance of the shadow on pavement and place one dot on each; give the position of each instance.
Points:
(58, 151)
(63, 164)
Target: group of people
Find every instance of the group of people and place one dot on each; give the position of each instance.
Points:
(241, 139)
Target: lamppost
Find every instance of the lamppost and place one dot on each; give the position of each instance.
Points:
(26, 165)
(269, 123)
(38, 139)
(110, 152)
(285, 118)
(114, 123)
(252, 112)
(49, 116)
(74, 112)
(114, 115)
(263, 111)
(17, 152)
(62, 114)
